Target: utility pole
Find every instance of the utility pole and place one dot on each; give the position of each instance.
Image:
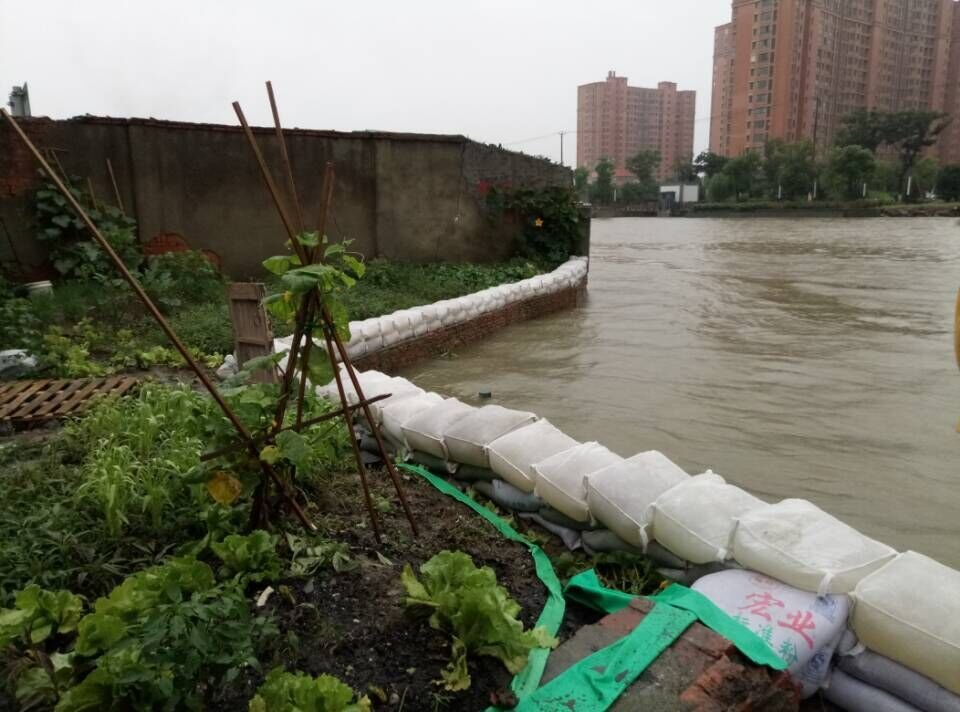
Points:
(561, 147)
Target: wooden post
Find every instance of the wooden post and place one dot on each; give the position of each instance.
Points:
(252, 336)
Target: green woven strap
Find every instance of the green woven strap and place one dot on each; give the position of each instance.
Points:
(527, 680)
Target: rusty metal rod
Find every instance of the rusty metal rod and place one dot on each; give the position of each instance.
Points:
(158, 317)
(116, 188)
(304, 364)
(93, 194)
(305, 424)
(371, 510)
(325, 200)
(285, 156)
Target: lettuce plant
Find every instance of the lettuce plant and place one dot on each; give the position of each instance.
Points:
(479, 614)
(37, 614)
(253, 557)
(298, 692)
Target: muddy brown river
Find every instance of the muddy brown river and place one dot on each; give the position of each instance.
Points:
(797, 358)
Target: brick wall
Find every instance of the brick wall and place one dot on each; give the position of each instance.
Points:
(436, 343)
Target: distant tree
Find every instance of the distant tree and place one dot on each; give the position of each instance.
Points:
(908, 132)
(948, 183)
(744, 174)
(602, 188)
(849, 168)
(789, 167)
(710, 164)
(581, 177)
(911, 132)
(686, 172)
(863, 127)
(634, 192)
(925, 175)
(644, 165)
(720, 188)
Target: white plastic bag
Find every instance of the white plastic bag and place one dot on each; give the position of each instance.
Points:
(696, 519)
(801, 627)
(393, 416)
(512, 455)
(466, 441)
(798, 543)
(424, 431)
(621, 496)
(560, 479)
(909, 611)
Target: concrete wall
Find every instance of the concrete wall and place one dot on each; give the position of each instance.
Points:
(408, 197)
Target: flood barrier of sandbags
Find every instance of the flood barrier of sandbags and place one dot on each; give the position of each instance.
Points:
(792, 573)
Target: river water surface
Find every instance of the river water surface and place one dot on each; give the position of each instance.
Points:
(797, 358)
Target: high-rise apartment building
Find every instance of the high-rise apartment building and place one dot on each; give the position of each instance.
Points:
(617, 121)
(792, 69)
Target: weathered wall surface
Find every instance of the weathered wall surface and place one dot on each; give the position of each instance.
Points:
(408, 197)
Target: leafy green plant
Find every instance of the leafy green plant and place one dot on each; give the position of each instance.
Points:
(252, 557)
(308, 555)
(73, 251)
(205, 326)
(67, 356)
(138, 452)
(159, 635)
(479, 614)
(297, 692)
(177, 279)
(549, 219)
(38, 614)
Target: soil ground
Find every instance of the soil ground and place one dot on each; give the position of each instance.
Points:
(354, 624)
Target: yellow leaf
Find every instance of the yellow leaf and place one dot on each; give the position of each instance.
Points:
(224, 487)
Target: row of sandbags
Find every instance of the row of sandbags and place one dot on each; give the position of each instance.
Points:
(371, 335)
(903, 607)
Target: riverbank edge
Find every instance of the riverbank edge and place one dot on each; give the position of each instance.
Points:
(446, 339)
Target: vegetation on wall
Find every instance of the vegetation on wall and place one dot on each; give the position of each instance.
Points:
(548, 218)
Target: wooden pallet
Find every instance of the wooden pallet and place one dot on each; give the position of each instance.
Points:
(33, 401)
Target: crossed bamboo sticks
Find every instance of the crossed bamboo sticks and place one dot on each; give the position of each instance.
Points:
(309, 307)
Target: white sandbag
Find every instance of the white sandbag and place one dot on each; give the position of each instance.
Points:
(431, 320)
(398, 388)
(389, 331)
(357, 346)
(371, 334)
(368, 380)
(513, 454)
(801, 627)
(621, 496)
(424, 431)
(466, 440)
(910, 686)
(852, 695)
(403, 320)
(909, 611)
(696, 519)
(417, 327)
(394, 415)
(560, 479)
(798, 543)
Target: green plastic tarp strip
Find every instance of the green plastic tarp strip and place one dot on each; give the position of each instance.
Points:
(586, 588)
(594, 683)
(527, 680)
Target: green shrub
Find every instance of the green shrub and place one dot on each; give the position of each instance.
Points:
(549, 220)
(72, 249)
(38, 614)
(297, 692)
(178, 280)
(206, 327)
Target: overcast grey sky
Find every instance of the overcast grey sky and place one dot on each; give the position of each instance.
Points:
(497, 71)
